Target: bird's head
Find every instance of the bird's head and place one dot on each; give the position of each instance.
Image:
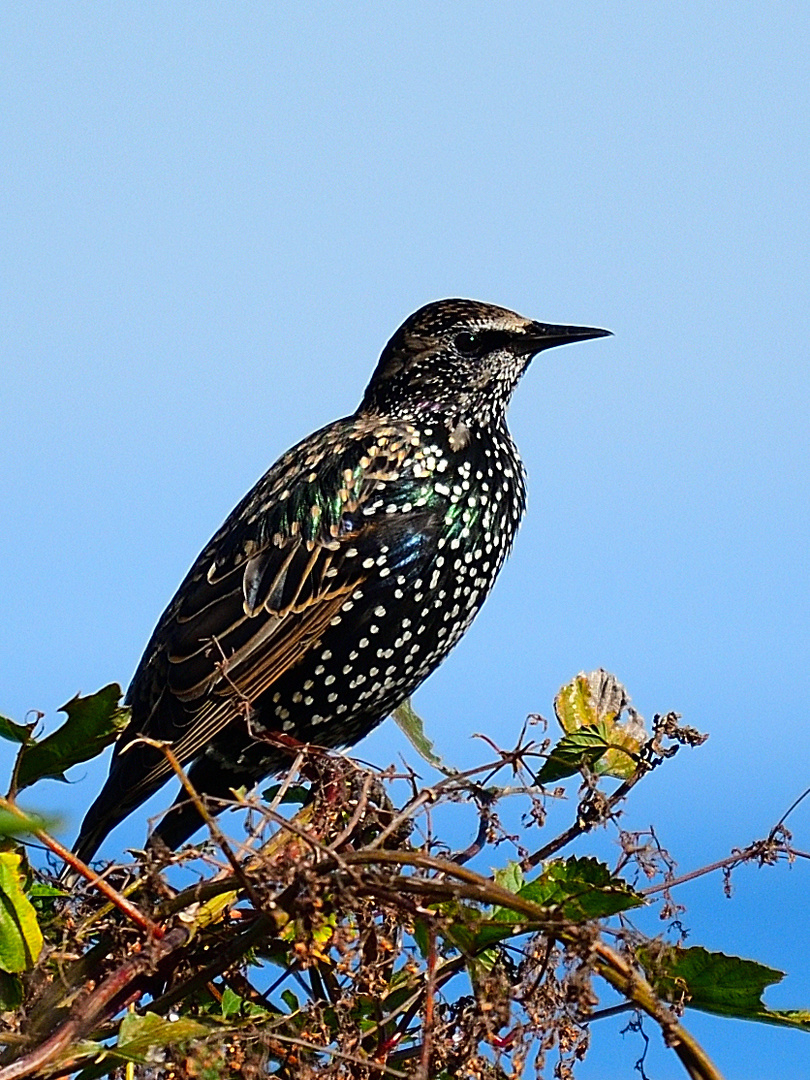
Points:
(460, 358)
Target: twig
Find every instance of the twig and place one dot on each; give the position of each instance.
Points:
(284, 787)
(426, 795)
(746, 855)
(787, 813)
(480, 840)
(340, 1055)
(613, 1010)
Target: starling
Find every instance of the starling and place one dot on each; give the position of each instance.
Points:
(344, 577)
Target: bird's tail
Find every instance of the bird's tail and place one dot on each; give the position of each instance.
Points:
(123, 791)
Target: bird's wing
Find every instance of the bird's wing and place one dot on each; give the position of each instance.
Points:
(268, 585)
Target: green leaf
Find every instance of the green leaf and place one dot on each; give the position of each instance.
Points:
(421, 936)
(477, 941)
(44, 897)
(294, 794)
(234, 1005)
(510, 877)
(144, 1038)
(92, 723)
(42, 890)
(716, 983)
(580, 889)
(582, 747)
(290, 1000)
(20, 935)
(461, 927)
(103, 1057)
(231, 1002)
(18, 733)
(458, 926)
(412, 724)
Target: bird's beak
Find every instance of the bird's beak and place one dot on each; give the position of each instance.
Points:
(538, 336)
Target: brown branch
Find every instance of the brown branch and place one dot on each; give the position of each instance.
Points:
(583, 824)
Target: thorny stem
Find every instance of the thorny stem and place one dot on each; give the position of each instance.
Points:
(430, 992)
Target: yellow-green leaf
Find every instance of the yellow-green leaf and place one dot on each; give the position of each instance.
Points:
(587, 699)
(589, 711)
(626, 741)
(20, 935)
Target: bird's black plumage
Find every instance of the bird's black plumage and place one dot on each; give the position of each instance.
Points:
(344, 577)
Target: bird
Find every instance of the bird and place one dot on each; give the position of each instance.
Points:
(343, 578)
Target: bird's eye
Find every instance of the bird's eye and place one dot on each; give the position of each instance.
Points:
(467, 344)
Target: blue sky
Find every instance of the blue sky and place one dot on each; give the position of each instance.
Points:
(216, 214)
